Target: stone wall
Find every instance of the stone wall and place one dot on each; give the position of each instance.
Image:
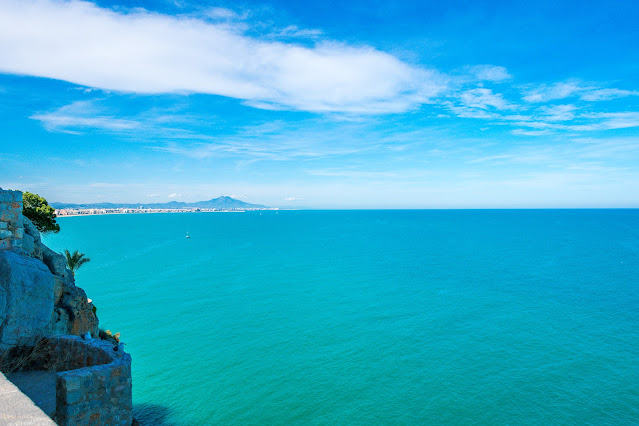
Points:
(97, 389)
(11, 221)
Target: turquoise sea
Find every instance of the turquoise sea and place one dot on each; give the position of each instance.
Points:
(371, 317)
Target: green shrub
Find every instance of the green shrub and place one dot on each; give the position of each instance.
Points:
(38, 210)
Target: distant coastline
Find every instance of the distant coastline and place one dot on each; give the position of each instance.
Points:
(220, 204)
(98, 212)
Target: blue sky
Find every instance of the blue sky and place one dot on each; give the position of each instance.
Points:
(349, 104)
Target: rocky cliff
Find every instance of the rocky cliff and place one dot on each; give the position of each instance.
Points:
(38, 295)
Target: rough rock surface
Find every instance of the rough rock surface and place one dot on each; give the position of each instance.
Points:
(38, 295)
(26, 298)
(42, 308)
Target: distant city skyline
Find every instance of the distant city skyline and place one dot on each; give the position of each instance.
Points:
(353, 104)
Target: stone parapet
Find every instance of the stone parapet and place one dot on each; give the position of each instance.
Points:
(97, 387)
(11, 220)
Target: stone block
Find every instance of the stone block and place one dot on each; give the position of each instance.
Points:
(71, 411)
(16, 222)
(5, 233)
(6, 196)
(5, 244)
(116, 372)
(71, 383)
(3, 225)
(18, 233)
(8, 215)
(75, 396)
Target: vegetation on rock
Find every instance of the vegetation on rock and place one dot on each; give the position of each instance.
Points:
(75, 260)
(108, 336)
(38, 210)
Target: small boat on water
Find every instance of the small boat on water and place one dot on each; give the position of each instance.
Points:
(187, 234)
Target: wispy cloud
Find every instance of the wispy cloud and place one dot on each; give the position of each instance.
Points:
(490, 158)
(545, 93)
(557, 112)
(607, 94)
(106, 185)
(490, 72)
(540, 113)
(142, 52)
(293, 31)
(483, 99)
(352, 174)
(215, 52)
(614, 120)
(222, 14)
(80, 116)
(522, 132)
(573, 88)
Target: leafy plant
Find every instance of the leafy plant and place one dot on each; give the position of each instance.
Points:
(108, 336)
(75, 260)
(38, 210)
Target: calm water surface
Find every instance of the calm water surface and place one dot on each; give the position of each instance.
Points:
(371, 317)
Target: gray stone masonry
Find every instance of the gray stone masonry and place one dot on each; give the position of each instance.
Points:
(97, 393)
(11, 220)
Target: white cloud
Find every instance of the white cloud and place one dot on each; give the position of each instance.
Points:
(106, 185)
(607, 94)
(545, 93)
(588, 122)
(294, 31)
(82, 115)
(221, 13)
(522, 132)
(616, 120)
(558, 112)
(470, 112)
(490, 72)
(175, 195)
(490, 158)
(562, 90)
(484, 98)
(145, 52)
(351, 174)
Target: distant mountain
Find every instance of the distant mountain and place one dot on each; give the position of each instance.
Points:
(222, 203)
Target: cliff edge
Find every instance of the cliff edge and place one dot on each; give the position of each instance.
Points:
(38, 295)
(42, 313)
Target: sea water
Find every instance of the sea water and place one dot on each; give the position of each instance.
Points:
(371, 317)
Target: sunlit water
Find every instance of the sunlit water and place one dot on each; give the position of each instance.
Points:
(371, 317)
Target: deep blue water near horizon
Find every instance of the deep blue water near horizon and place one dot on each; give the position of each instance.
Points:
(371, 317)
